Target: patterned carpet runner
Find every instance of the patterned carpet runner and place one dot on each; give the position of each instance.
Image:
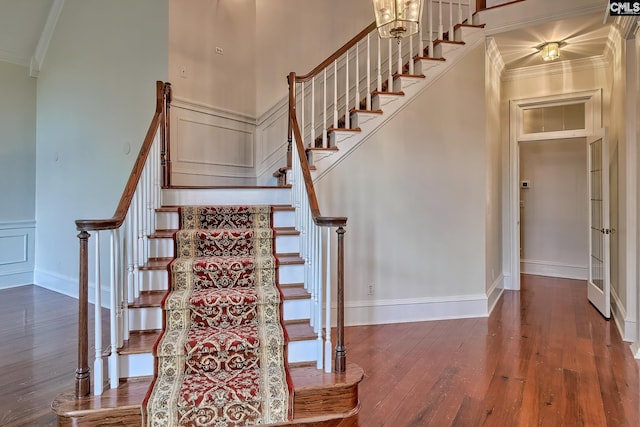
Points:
(220, 360)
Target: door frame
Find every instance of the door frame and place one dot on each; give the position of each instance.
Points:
(593, 121)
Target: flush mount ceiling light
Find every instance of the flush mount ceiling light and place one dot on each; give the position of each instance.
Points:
(397, 18)
(550, 51)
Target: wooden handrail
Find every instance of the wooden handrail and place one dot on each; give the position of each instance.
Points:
(127, 195)
(318, 219)
(337, 54)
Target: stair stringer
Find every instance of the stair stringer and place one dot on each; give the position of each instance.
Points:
(325, 164)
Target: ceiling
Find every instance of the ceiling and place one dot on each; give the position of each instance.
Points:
(582, 36)
(22, 25)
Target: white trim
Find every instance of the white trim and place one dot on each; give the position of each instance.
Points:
(558, 67)
(507, 282)
(494, 292)
(13, 58)
(626, 326)
(45, 38)
(554, 269)
(593, 122)
(188, 104)
(17, 257)
(380, 312)
(495, 57)
(67, 285)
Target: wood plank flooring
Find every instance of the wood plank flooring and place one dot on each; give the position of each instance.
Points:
(545, 357)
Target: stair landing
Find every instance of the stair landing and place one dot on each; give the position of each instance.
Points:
(320, 400)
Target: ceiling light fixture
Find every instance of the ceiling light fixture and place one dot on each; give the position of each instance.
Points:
(397, 18)
(550, 51)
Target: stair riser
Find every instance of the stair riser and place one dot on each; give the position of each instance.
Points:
(141, 364)
(158, 280)
(227, 196)
(441, 49)
(169, 220)
(150, 318)
(164, 247)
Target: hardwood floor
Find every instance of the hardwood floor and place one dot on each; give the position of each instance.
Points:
(545, 357)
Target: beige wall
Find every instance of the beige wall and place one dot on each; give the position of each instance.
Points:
(196, 28)
(414, 193)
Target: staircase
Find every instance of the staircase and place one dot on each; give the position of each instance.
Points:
(141, 233)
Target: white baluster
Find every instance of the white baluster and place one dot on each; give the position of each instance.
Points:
(421, 40)
(347, 118)
(450, 19)
(98, 367)
(440, 27)
(318, 280)
(430, 2)
(379, 78)
(327, 343)
(324, 109)
(357, 101)
(411, 55)
(368, 74)
(335, 93)
(459, 11)
(399, 69)
(114, 311)
(312, 142)
(390, 81)
(302, 118)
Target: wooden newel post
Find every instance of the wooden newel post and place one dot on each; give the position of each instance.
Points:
(341, 351)
(164, 91)
(83, 382)
(291, 78)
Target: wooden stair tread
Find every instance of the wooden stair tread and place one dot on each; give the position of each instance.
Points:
(388, 93)
(317, 396)
(410, 76)
(168, 234)
(438, 41)
(356, 110)
(223, 187)
(332, 129)
(156, 264)
(148, 299)
(300, 331)
(429, 58)
(321, 149)
(292, 292)
(455, 27)
(140, 342)
(289, 259)
(174, 208)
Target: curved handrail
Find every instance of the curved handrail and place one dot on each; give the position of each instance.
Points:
(338, 53)
(136, 172)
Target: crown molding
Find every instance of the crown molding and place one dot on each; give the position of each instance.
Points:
(45, 37)
(561, 67)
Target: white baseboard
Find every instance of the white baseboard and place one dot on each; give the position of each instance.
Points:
(495, 292)
(553, 269)
(507, 282)
(635, 349)
(17, 253)
(626, 327)
(67, 285)
(380, 312)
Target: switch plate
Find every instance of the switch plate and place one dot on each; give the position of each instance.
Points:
(219, 50)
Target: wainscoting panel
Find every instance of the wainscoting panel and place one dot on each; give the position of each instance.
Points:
(17, 250)
(271, 147)
(211, 146)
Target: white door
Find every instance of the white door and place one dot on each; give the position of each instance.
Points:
(599, 228)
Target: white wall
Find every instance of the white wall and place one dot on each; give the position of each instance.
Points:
(494, 269)
(17, 174)
(554, 216)
(196, 28)
(96, 98)
(414, 194)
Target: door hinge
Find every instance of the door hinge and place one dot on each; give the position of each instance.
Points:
(607, 230)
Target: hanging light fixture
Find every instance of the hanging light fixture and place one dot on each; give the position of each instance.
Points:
(397, 18)
(550, 51)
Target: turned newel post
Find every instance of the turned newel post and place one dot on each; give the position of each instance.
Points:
(341, 351)
(291, 78)
(83, 382)
(164, 94)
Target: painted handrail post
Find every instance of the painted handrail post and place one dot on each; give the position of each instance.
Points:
(83, 381)
(341, 351)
